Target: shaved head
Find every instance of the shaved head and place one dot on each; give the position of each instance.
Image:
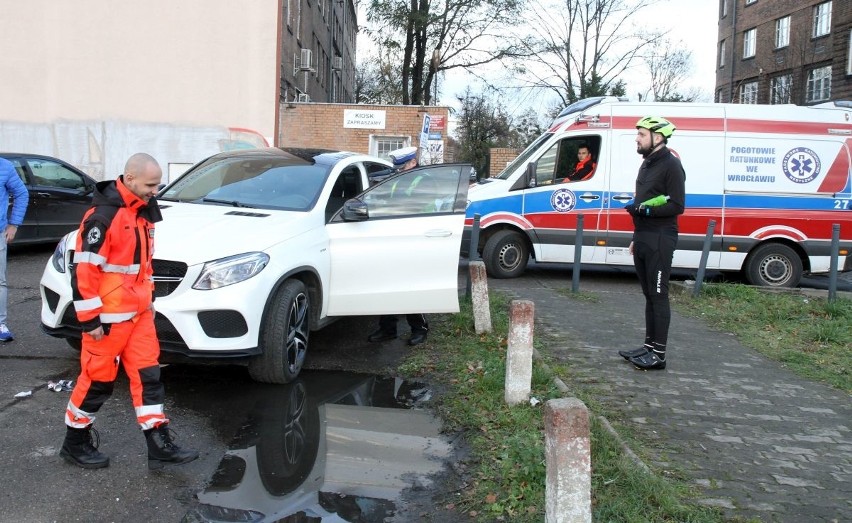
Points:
(142, 175)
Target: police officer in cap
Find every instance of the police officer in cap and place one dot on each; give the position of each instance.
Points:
(403, 159)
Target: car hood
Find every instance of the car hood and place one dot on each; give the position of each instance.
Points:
(197, 233)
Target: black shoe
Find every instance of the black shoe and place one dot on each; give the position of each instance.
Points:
(381, 335)
(649, 361)
(162, 449)
(417, 337)
(634, 353)
(81, 448)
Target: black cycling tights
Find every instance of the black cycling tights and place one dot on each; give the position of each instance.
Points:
(652, 255)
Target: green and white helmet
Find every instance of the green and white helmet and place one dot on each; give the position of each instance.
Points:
(657, 124)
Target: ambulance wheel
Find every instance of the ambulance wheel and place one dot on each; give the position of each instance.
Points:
(773, 265)
(284, 336)
(505, 254)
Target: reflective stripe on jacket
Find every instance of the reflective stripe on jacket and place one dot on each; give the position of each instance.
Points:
(112, 279)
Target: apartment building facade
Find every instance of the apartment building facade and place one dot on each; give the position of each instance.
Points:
(784, 51)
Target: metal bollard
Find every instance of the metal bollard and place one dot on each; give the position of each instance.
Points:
(578, 255)
(519, 352)
(705, 252)
(832, 267)
(568, 459)
(480, 302)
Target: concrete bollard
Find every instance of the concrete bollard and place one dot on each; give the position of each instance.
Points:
(568, 458)
(479, 297)
(519, 351)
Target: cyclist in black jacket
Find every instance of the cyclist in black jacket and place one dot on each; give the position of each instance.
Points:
(659, 200)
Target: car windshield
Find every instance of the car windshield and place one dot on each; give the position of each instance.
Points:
(263, 182)
(522, 159)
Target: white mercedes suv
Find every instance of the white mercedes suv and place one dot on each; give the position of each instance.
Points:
(259, 247)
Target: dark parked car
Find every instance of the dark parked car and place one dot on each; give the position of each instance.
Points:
(59, 196)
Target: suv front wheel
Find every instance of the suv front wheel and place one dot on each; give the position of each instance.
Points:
(284, 337)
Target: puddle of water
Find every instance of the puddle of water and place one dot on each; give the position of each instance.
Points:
(331, 447)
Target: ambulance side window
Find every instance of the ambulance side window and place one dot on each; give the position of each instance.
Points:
(572, 170)
(545, 165)
(558, 164)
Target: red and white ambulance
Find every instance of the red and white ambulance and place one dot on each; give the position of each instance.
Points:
(774, 178)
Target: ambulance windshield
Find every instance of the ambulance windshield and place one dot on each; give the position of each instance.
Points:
(522, 159)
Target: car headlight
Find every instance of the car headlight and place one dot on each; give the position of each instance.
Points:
(58, 258)
(230, 270)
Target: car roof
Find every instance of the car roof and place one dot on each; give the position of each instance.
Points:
(313, 155)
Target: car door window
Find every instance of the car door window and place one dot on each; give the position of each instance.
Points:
(419, 191)
(51, 174)
(19, 168)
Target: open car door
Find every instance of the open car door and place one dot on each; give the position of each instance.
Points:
(395, 247)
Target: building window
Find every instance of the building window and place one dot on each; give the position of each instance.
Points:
(749, 42)
(780, 90)
(849, 55)
(782, 32)
(749, 2)
(722, 54)
(748, 93)
(724, 8)
(382, 145)
(822, 19)
(819, 84)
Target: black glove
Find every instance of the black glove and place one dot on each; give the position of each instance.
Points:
(638, 210)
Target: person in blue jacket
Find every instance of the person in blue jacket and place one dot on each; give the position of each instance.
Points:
(10, 185)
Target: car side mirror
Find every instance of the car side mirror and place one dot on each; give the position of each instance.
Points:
(529, 175)
(355, 210)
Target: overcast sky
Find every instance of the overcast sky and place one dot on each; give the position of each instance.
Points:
(693, 22)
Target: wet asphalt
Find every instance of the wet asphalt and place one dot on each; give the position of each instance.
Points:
(756, 439)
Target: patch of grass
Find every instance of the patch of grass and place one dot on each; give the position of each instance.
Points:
(507, 470)
(584, 296)
(810, 335)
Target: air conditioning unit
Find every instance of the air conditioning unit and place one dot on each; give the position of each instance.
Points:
(305, 60)
(303, 98)
(337, 63)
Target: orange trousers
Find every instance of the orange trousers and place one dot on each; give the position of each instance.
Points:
(134, 344)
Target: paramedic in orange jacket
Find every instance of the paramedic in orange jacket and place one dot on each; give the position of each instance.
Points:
(113, 296)
(585, 167)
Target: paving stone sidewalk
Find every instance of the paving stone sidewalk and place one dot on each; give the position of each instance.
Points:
(760, 441)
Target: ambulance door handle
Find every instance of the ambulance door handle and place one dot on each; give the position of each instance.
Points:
(438, 233)
(589, 196)
(623, 197)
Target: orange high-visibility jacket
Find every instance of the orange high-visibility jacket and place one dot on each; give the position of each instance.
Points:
(112, 278)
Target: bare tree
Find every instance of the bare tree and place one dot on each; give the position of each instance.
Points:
(579, 48)
(377, 80)
(432, 36)
(669, 64)
(482, 124)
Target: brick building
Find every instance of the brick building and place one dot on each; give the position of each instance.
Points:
(499, 158)
(784, 51)
(368, 129)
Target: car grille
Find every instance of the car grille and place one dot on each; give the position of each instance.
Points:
(167, 276)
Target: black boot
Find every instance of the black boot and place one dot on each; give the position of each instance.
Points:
(162, 449)
(81, 448)
(635, 353)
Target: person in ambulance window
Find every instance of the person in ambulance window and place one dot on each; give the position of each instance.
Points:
(585, 167)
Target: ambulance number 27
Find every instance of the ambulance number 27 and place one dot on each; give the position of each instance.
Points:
(843, 205)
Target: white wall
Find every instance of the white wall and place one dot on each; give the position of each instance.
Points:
(185, 62)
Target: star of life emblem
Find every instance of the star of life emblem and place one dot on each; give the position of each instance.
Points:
(563, 200)
(93, 237)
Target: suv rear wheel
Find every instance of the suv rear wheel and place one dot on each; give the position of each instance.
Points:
(284, 337)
